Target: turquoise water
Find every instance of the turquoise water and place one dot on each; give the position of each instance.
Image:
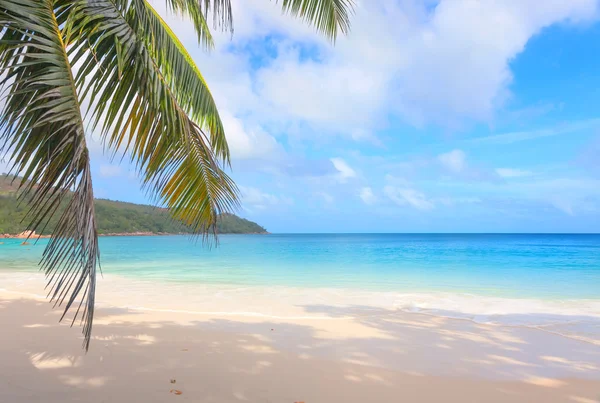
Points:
(515, 266)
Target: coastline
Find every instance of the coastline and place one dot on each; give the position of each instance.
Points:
(286, 352)
(111, 234)
(175, 233)
(575, 319)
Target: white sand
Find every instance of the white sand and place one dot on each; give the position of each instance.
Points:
(282, 352)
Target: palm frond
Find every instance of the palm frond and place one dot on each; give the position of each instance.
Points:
(41, 124)
(180, 71)
(148, 99)
(221, 12)
(192, 9)
(328, 16)
(146, 112)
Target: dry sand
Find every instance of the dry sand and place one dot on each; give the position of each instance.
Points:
(354, 354)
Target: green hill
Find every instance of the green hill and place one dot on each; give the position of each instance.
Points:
(115, 217)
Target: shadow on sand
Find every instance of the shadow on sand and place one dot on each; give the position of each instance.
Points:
(409, 358)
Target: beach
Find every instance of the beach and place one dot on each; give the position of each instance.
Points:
(300, 201)
(273, 319)
(349, 353)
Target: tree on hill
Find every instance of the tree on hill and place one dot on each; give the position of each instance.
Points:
(121, 218)
(113, 217)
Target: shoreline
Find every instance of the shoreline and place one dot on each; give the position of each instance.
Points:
(480, 308)
(133, 234)
(573, 319)
(252, 316)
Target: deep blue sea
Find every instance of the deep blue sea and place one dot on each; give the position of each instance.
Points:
(552, 267)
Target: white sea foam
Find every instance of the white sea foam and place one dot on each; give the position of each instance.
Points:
(318, 303)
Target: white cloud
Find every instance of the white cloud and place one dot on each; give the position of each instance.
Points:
(397, 181)
(403, 196)
(454, 161)
(5, 164)
(572, 196)
(94, 144)
(453, 201)
(345, 172)
(253, 198)
(514, 137)
(512, 173)
(109, 171)
(459, 55)
(440, 62)
(403, 192)
(259, 17)
(367, 196)
(323, 95)
(248, 144)
(566, 206)
(329, 199)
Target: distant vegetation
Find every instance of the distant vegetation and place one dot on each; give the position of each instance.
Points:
(114, 217)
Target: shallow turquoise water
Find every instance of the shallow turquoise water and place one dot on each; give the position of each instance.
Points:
(520, 266)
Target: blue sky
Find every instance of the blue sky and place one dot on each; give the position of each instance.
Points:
(432, 116)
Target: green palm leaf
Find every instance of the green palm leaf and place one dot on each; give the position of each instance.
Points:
(193, 10)
(41, 123)
(180, 72)
(328, 16)
(221, 11)
(175, 156)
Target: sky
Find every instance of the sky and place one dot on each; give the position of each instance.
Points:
(430, 116)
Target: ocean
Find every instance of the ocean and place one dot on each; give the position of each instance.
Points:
(474, 274)
(523, 266)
